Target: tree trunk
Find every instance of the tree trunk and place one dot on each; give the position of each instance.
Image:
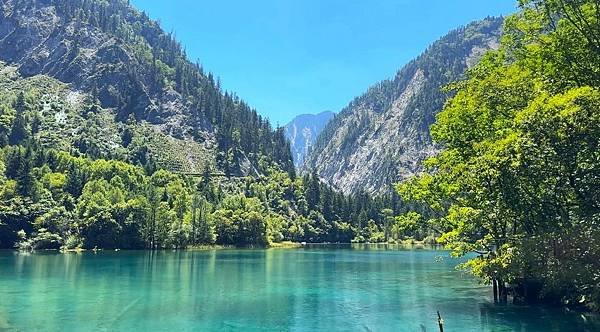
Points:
(495, 287)
(502, 291)
(194, 207)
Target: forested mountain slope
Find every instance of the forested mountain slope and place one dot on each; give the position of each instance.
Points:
(131, 67)
(101, 119)
(67, 181)
(303, 131)
(383, 136)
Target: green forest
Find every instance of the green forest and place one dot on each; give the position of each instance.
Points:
(52, 199)
(94, 164)
(518, 181)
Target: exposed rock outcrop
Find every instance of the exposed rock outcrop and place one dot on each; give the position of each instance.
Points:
(383, 136)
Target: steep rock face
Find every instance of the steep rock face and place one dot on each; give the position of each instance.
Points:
(68, 121)
(383, 136)
(302, 132)
(40, 40)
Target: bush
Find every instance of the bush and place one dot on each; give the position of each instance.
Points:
(42, 240)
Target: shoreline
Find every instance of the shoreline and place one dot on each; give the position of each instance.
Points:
(277, 245)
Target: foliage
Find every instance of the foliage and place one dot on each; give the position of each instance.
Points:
(156, 62)
(518, 181)
(43, 239)
(52, 199)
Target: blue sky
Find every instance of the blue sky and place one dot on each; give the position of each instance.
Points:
(289, 57)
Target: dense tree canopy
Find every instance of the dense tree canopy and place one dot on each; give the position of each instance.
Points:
(51, 199)
(519, 178)
(92, 198)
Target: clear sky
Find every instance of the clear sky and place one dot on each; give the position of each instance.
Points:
(289, 57)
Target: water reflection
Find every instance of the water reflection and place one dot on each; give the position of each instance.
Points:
(315, 288)
(540, 318)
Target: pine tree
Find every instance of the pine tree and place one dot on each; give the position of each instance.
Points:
(25, 179)
(75, 181)
(312, 190)
(19, 132)
(13, 162)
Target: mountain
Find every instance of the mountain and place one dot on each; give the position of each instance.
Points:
(111, 138)
(124, 63)
(302, 132)
(383, 136)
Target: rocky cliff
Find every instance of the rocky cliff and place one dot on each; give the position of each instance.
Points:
(382, 136)
(43, 37)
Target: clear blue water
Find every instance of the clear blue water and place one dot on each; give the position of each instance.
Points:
(311, 289)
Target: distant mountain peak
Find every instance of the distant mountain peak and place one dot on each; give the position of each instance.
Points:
(302, 132)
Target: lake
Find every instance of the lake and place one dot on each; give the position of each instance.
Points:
(357, 288)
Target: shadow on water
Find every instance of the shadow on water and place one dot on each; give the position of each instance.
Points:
(538, 318)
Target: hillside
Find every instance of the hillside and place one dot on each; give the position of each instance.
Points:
(68, 178)
(128, 65)
(383, 136)
(102, 119)
(302, 132)
(68, 120)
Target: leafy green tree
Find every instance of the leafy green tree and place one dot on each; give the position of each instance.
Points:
(241, 221)
(388, 222)
(517, 181)
(6, 120)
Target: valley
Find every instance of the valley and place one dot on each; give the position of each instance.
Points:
(466, 183)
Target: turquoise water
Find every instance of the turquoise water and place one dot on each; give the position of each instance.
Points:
(318, 289)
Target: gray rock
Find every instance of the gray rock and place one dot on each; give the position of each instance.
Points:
(382, 137)
(302, 132)
(39, 41)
